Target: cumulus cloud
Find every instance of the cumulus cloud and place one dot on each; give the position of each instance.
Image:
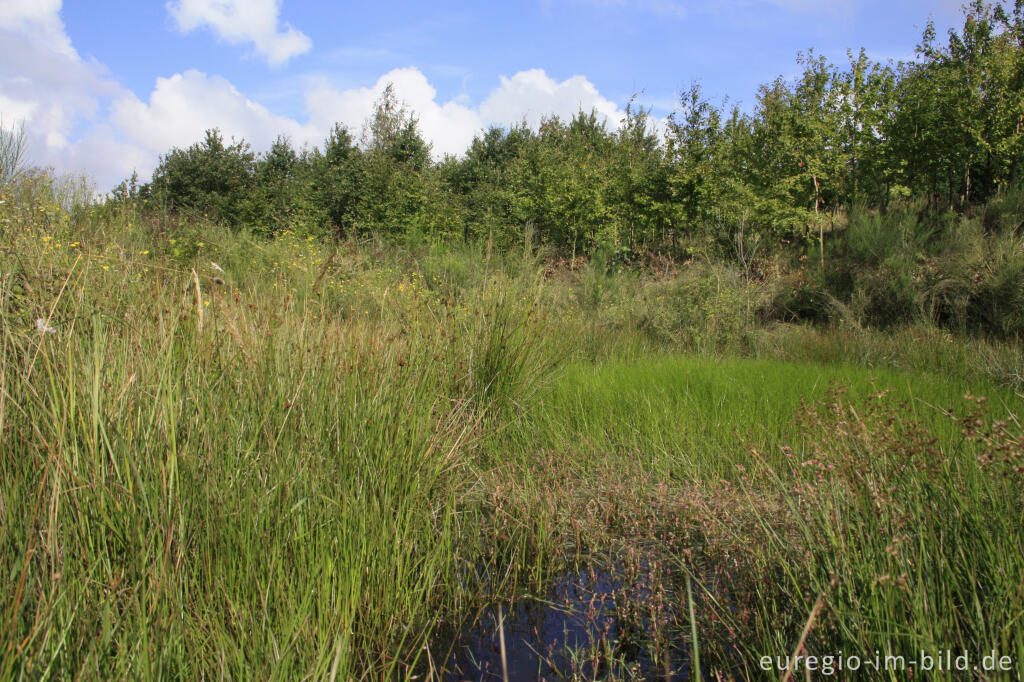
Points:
(80, 119)
(243, 21)
(40, 18)
(449, 126)
(182, 107)
(15, 110)
(531, 95)
(48, 86)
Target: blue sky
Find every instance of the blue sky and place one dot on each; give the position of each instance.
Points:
(105, 87)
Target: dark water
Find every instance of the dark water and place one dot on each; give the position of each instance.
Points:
(578, 628)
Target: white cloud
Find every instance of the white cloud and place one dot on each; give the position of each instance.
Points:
(243, 21)
(449, 126)
(531, 95)
(13, 111)
(182, 107)
(79, 119)
(106, 158)
(45, 84)
(40, 18)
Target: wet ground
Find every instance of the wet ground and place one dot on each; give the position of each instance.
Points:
(590, 624)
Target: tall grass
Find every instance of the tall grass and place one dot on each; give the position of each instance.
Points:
(220, 472)
(893, 501)
(222, 456)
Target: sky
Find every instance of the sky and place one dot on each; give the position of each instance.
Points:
(105, 87)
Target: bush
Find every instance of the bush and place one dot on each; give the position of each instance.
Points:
(13, 148)
(1005, 213)
(996, 302)
(707, 309)
(208, 178)
(885, 297)
(909, 231)
(799, 301)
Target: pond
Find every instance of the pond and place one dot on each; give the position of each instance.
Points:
(590, 624)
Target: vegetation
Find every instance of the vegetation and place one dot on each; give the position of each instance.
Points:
(840, 139)
(327, 413)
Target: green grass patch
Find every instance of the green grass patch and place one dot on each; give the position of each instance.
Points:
(692, 417)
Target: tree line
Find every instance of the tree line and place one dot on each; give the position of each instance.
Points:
(946, 128)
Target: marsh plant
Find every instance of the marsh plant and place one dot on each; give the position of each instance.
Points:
(321, 414)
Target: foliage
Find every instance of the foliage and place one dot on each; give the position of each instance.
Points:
(336, 176)
(223, 454)
(878, 174)
(209, 177)
(946, 128)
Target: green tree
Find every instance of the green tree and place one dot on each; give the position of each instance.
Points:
(281, 198)
(209, 177)
(564, 178)
(783, 186)
(398, 189)
(865, 95)
(638, 192)
(695, 144)
(488, 182)
(336, 177)
(958, 126)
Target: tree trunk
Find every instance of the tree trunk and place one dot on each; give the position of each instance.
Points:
(967, 191)
(817, 218)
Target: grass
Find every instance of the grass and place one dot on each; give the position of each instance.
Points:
(286, 459)
(690, 416)
(773, 483)
(167, 488)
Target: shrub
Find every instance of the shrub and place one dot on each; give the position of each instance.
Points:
(209, 177)
(885, 297)
(796, 300)
(996, 302)
(707, 309)
(1005, 213)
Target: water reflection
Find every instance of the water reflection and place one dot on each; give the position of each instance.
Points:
(586, 626)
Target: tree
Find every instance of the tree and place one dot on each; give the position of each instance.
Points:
(777, 169)
(564, 176)
(960, 117)
(336, 180)
(694, 144)
(638, 189)
(488, 182)
(865, 109)
(208, 177)
(280, 197)
(401, 192)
